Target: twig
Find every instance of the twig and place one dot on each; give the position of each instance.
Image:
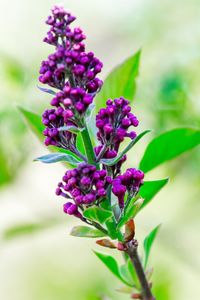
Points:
(133, 254)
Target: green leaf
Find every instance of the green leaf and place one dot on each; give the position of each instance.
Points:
(89, 112)
(124, 272)
(111, 264)
(130, 212)
(72, 129)
(133, 273)
(97, 214)
(49, 91)
(121, 82)
(55, 157)
(111, 227)
(85, 231)
(34, 121)
(113, 161)
(150, 188)
(169, 145)
(28, 228)
(148, 242)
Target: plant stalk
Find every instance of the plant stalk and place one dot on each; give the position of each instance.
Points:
(133, 254)
(89, 150)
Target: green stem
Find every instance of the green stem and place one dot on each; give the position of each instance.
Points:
(99, 227)
(89, 150)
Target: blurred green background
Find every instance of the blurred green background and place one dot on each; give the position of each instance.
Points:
(38, 258)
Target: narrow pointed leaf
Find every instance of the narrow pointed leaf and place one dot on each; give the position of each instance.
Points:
(124, 272)
(34, 122)
(148, 242)
(111, 227)
(85, 231)
(89, 112)
(111, 264)
(49, 91)
(121, 81)
(150, 188)
(106, 243)
(169, 145)
(113, 161)
(55, 157)
(27, 229)
(125, 290)
(72, 129)
(97, 214)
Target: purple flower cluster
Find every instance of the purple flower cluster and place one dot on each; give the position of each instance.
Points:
(71, 70)
(74, 73)
(73, 101)
(113, 123)
(54, 121)
(130, 182)
(85, 185)
(70, 62)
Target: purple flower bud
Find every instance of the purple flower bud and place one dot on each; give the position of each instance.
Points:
(90, 75)
(52, 117)
(126, 123)
(139, 175)
(85, 181)
(118, 189)
(59, 111)
(89, 198)
(79, 70)
(87, 99)
(75, 192)
(96, 175)
(58, 191)
(67, 114)
(79, 199)
(132, 135)
(80, 106)
(66, 206)
(48, 141)
(55, 102)
(109, 179)
(108, 128)
(110, 154)
(101, 192)
(70, 208)
(72, 181)
(67, 101)
(100, 124)
(100, 184)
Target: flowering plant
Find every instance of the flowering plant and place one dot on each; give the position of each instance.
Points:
(97, 189)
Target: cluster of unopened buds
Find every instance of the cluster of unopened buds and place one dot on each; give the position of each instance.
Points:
(72, 72)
